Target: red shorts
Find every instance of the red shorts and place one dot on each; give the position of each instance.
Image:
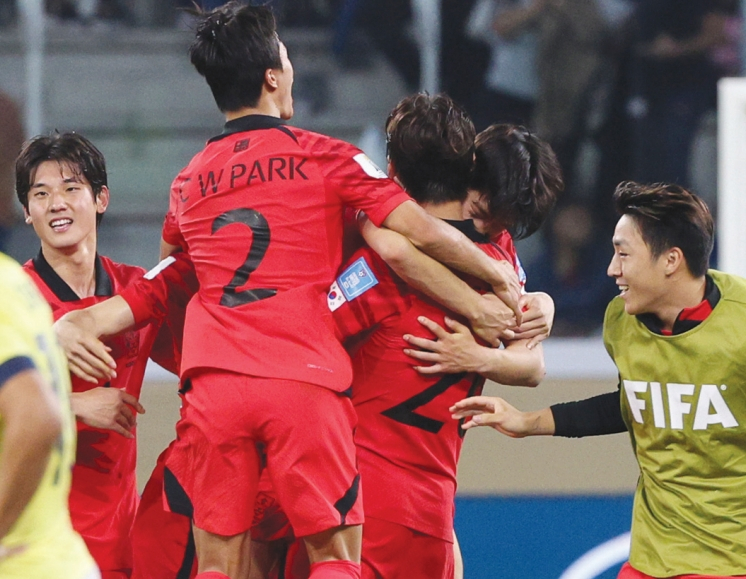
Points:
(270, 521)
(392, 551)
(162, 541)
(629, 572)
(306, 431)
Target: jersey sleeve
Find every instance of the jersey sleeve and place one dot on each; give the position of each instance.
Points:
(170, 232)
(356, 180)
(14, 357)
(365, 293)
(169, 284)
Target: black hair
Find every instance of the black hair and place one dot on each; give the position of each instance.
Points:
(234, 46)
(71, 149)
(518, 177)
(430, 143)
(669, 216)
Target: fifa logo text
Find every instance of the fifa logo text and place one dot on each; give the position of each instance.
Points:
(678, 399)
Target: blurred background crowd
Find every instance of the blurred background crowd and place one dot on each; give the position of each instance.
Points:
(622, 89)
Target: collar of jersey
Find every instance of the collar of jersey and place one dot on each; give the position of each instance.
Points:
(63, 291)
(466, 226)
(251, 123)
(688, 318)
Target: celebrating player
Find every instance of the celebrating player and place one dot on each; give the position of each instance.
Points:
(675, 334)
(513, 187)
(37, 441)
(407, 446)
(62, 184)
(260, 212)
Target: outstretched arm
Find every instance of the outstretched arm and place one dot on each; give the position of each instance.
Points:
(497, 413)
(594, 416)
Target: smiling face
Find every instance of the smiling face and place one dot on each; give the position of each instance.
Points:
(62, 208)
(641, 277)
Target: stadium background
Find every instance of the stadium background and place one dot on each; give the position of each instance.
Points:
(526, 508)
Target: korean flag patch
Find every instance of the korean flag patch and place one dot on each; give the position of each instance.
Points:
(352, 283)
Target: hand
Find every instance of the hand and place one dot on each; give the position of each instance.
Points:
(509, 288)
(87, 356)
(450, 352)
(538, 318)
(107, 408)
(494, 412)
(494, 320)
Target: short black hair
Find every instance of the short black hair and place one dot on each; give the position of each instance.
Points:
(234, 45)
(518, 176)
(669, 216)
(430, 142)
(70, 149)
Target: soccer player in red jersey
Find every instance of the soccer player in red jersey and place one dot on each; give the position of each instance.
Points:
(260, 212)
(514, 184)
(407, 446)
(61, 183)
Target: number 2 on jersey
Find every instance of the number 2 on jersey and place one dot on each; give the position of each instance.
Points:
(255, 221)
(404, 412)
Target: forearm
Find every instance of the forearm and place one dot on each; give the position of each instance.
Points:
(591, 417)
(29, 433)
(516, 365)
(106, 318)
(538, 423)
(444, 243)
(421, 271)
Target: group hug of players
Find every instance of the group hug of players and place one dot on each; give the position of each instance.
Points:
(328, 369)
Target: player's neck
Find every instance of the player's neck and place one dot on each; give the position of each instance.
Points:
(685, 292)
(265, 106)
(450, 210)
(76, 265)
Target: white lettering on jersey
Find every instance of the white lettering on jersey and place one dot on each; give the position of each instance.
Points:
(710, 396)
(676, 406)
(370, 168)
(707, 396)
(631, 387)
(656, 397)
(163, 264)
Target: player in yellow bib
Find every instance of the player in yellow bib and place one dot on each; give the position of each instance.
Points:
(37, 440)
(677, 334)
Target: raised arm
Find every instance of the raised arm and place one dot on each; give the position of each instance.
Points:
(489, 317)
(449, 246)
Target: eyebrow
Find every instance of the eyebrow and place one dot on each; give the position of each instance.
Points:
(68, 180)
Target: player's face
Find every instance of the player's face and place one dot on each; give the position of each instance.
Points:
(62, 209)
(640, 277)
(476, 208)
(285, 84)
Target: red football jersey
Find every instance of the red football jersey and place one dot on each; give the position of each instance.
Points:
(260, 213)
(408, 444)
(103, 497)
(505, 242)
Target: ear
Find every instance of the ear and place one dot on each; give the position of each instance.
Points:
(674, 260)
(102, 200)
(390, 169)
(270, 78)
(26, 216)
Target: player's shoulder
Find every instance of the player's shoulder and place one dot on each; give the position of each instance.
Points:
(319, 143)
(122, 273)
(732, 287)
